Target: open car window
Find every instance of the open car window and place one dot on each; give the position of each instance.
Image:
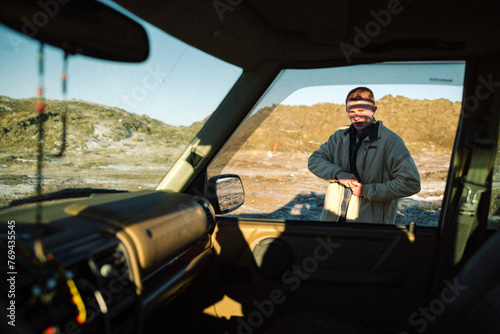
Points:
(421, 102)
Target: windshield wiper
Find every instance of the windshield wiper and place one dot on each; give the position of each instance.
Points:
(64, 194)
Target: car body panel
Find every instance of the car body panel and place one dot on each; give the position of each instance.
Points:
(364, 273)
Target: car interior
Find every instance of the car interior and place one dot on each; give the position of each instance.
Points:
(177, 259)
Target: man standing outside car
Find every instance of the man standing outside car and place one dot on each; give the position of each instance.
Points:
(368, 166)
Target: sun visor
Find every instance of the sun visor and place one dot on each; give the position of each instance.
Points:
(84, 27)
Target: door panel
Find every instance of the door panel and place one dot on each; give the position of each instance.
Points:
(373, 274)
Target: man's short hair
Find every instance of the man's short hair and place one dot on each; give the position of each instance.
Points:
(360, 93)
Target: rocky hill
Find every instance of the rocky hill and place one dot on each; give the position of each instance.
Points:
(91, 128)
(94, 128)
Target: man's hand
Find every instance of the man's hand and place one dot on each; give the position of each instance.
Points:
(358, 189)
(349, 180)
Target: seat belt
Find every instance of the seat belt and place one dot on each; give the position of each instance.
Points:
(475, 183)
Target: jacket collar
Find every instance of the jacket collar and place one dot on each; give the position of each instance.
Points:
(371, 133)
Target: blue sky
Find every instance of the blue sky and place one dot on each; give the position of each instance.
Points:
(312, 95)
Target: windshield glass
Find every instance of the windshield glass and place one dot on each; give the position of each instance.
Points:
(127, 123)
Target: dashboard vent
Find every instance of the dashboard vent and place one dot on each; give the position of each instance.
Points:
(116, 287)
(205, 205)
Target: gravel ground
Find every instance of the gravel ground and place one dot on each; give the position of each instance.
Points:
(18, 179)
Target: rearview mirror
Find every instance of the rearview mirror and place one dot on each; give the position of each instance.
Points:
(83, 27)
(225, 193)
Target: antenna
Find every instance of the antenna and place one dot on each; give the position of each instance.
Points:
(39, 107)
(64, 78)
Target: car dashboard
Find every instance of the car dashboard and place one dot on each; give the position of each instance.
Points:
(104, 264)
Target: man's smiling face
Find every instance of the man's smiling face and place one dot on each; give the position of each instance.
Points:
(361, 114)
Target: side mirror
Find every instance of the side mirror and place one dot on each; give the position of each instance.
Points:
(225, 193)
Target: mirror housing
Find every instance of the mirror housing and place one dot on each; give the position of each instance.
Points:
(225, 193)
(84, 27)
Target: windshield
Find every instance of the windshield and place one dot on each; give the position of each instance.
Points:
(127, 123)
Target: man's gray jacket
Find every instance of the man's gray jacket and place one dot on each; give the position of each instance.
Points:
(386, 169)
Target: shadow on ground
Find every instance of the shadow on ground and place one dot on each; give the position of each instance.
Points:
(308, 206)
